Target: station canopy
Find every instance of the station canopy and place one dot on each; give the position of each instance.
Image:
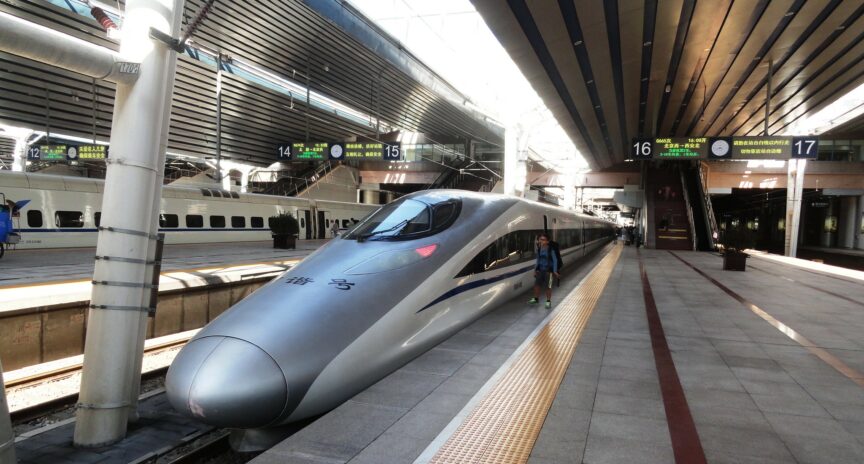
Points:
(612, 71)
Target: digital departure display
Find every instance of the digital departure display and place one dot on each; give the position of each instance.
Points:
(315, 151)
(373, 150)
(52, 152)
(741, 148)
(681, 148)
(92, 152)
(319, 151)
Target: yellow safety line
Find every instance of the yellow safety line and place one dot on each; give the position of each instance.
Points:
(503, 427)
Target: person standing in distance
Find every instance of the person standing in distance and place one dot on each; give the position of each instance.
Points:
(544, 269)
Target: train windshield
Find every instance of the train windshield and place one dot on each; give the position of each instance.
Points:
(406, 219)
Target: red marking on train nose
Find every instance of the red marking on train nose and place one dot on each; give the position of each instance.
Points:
(427, 250)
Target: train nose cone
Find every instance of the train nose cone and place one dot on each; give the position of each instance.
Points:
(226, 382)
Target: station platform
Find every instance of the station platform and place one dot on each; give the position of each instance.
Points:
(650, 357)
(27, 267)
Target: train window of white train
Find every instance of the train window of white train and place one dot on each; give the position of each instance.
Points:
(34, 218)
(97, 218)
(302, 222)
(238, 222)
(194, 221)
(69, 219)
(346, 223)
(169, 221)
(257, 222)
(206, 192)
(217, 222)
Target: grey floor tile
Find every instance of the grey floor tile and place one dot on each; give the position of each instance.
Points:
(747, 443)
(816, 440)
(439, 361)
(653, 431)
(607, 450)
(401, 389)
(630, 406)
(391, 448)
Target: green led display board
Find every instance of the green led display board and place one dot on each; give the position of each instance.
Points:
(92, 152)
(716, 148)
(315, 151)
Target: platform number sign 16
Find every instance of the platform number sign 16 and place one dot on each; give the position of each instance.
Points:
(805, 147)
(642, 149)
(393, 152)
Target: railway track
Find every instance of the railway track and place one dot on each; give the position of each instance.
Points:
(44, 408)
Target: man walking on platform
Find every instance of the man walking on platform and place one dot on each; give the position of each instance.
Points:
(546, 267)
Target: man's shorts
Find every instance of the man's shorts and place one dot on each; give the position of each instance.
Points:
(543, 279)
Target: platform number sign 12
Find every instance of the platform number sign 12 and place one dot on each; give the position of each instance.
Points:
(392, 152)
(805, 147)
(34, 153)
(642, 149)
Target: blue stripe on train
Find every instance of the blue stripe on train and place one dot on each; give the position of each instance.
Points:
(477, 283)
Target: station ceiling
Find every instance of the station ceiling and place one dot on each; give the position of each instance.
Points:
(614, 70)
(291, 39)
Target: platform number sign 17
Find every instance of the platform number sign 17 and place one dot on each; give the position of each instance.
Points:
(392, 152)
(805, 147)
(642, 149)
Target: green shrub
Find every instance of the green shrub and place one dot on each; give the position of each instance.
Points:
(284, 224)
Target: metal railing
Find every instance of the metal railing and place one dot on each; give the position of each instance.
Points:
(706, 201)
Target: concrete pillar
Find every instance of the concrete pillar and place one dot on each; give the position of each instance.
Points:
(859, 228)
(510, 161)
(132, 183)
(794, 190)
(7, 437)
(244, 182)
(370, 197)
(848, 220)
(19, 157)
(828, 227)
(389, 196)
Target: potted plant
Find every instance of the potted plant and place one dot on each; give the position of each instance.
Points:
(284, 228)
(735, 241)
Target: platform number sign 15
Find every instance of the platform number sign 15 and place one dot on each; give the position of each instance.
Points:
(642, 149)
(805, 147)
(392, 152)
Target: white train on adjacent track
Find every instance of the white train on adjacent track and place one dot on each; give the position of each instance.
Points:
(64, 212)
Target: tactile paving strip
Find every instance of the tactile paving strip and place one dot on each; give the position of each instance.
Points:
(503, 427)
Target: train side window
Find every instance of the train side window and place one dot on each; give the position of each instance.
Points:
(97, 218)
(217, 222)
(206, 192)
(69, 219)
(327, 222)
(257, 222)
(34, 218)
(195, 221)
(346, 223)
(169, 221)
(302, 222)
(238, 222)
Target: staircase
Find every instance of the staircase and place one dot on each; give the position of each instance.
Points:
(668, 205)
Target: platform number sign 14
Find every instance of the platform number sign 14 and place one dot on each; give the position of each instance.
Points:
(642, 149)
(805, 147)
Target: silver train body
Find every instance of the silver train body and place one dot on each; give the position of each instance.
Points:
(64, 212)
(364, 305)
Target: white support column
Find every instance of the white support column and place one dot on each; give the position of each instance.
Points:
(794, 190)
(510, 161)
(370, 197)
(132, 183)
(848, 221)
(859, 228)
(7, 437)
(19, 157)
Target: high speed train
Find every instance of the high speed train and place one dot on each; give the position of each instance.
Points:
(65, 212)
(404, 279)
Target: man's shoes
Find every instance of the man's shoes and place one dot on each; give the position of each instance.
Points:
(532, 301)
(548, 304)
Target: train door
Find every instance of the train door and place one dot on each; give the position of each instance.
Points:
(320, 223)
(305, 224)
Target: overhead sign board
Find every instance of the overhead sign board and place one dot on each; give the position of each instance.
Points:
(92, 152)
(738, 148)
(319, 151)
(314, 151)
(48, 152)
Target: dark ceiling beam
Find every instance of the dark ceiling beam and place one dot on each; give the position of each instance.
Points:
(648, 22)
(758, 11)
(614, 33)
(817, 51)
(532, 33)
(704, 56)
(686, 16)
